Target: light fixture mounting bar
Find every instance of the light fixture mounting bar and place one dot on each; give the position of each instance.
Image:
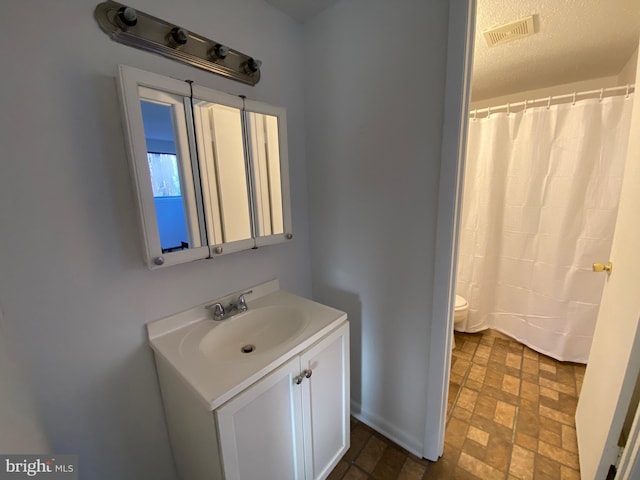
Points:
(137, 29)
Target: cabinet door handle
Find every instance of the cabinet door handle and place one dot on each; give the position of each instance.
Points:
(299, 379)
(308, 373)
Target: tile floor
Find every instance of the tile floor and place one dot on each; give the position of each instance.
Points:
(510, 416)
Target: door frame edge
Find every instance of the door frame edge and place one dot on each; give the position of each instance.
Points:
(461, 31)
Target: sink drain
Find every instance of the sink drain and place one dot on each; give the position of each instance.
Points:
(248, 348)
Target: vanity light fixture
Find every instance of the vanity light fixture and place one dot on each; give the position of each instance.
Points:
(140, 30)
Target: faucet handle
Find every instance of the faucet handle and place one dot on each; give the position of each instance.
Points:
(218, 310)
(241, 303)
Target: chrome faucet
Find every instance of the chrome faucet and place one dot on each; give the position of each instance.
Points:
(221, 313)
(218, 311)
(241, 302)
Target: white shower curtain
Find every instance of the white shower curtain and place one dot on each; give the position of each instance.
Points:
(539, 207)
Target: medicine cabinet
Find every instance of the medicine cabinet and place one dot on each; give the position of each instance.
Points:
(210, 169)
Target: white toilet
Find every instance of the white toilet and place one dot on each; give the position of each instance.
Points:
(461, 311)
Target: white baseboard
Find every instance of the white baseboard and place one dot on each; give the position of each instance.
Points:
(406, 441)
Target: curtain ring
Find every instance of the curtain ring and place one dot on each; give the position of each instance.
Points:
(549, 103)
(627, 94)
(574, 98)
(525, 106)
(489, 112)
(601, 94)
(508, 109)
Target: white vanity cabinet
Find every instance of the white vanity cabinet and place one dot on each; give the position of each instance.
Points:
(261, 430)
(293, 423)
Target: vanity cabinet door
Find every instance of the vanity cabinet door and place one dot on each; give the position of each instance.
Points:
(325, 403)
(261, 429)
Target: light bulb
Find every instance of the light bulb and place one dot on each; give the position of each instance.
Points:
(253, 65)
(219, 51)
(128, 16)
(178, 36)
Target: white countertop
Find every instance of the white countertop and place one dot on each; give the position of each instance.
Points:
(215, 382)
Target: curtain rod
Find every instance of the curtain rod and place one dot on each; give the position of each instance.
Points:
(552, 100)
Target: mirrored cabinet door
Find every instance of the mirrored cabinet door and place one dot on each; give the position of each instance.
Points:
(222, 151)
(164, 168)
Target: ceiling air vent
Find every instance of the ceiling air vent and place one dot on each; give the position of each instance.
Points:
(509, 31)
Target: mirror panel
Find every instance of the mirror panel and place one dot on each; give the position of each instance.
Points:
(222, 150)
(265, 155)
(178, 226)
(171, 173)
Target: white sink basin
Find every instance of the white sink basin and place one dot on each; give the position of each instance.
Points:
(209, 355)
(253, 332)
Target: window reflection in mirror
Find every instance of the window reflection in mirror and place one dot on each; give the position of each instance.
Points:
(265, 154)
(220, 143)
(163, 116)
(167, 197)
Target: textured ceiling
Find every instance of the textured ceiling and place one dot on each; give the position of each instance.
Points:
(576, 40)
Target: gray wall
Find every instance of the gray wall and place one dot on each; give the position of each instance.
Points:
(73, 287)
(374, 114)
(20, 427)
